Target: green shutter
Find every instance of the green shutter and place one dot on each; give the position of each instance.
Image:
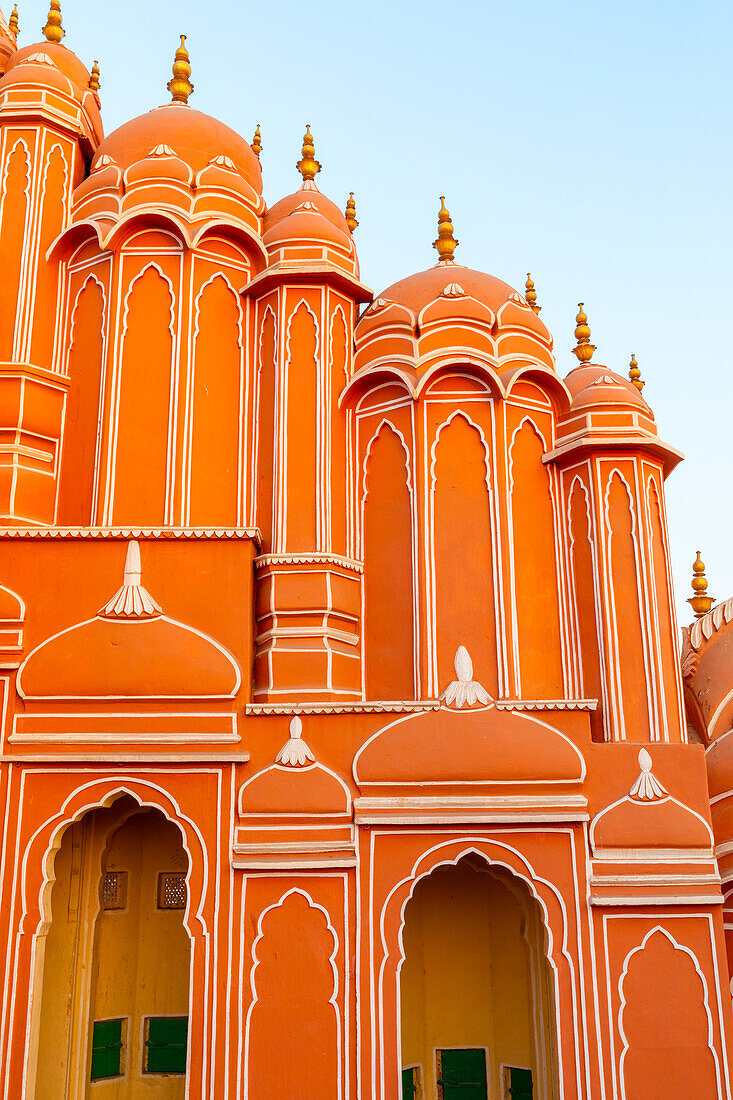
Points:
(165, 1044)
(520, 1083)
(409, 1084)
(462, 1075)
(106, 1049)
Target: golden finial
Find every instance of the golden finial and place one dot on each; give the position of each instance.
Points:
(350, 213)
(700, 602)
(531, 294)
(53, 30)
(94, 78)
(635, 374)
(13, 22)
(584, 349)
(180, 86)
(446, 242)
(308, 166)
(257, 141)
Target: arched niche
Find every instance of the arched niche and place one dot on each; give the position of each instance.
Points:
(14, 192)
(299, 436)
(476, 991)
(112, 973)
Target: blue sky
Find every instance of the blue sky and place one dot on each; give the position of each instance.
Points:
(588, 144)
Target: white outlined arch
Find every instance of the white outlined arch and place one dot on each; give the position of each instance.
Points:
(389, 425)
(519, 867)
(256, 421)
(617, 700)
(152, 265)
(576, 482)
(333, 1000)
(20, 143)
(432, 601)
(189, 425)
(281, 494)
(705, 1000)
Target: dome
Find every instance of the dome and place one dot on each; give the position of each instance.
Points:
(308, 192)
(419, 290)
(40, 69)
(64, 59)
(594, 385)
(194, 137)
(306, 223)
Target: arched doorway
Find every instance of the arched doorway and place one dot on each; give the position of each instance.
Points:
(113, 966)
(477, 995)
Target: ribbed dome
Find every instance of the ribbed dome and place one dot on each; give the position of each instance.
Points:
(64, 59)
(194, 137)
(308, 192)
(595, 385)
(417, 291)
(307, 224)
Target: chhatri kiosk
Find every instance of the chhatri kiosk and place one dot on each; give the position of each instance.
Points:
(347, 750)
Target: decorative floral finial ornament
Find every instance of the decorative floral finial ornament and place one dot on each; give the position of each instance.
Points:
(647, 788)
(295, 753)
(350, 213)
(700, 602)
(53, 31)
(531, 295)
(583, 349)
(464, 689)
(635, 374)
(446, 243)
(257, 141)
(13, 22)
(132, 600)
(94, 79)
(308, 166)
(180, 86)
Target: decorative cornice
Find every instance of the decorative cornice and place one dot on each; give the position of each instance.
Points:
(127, 533)
(325, 707)
(703, 630)
(307, 271)
(546, 704)
(266, 560)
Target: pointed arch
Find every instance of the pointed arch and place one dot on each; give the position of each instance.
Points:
(216, 413)
(668, 1048)
(462, 548)
(584, 598)
(388, 525)
(265, 434)
(82, 425)
(294, 977)
(302, 487)
(336, 471)
(535, 573)
(14, 208)
(663, 612)
(144, 401)
(632, 711)
(42, 321)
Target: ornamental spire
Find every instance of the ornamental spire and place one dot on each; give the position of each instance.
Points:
(446, 243)
(94, 78)
(308, 166)
(53, 30)
(700, 602)
(180, 86)
(132, 600)
(350, 213)
(584, 349)
(635, 374)
(13, 22)
(531, 294)
(257, 141)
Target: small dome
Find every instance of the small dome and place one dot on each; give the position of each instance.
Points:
(194, 137)
(453, 281)
(64, 59)
(308, 192)
(307, 224)
(40, 69)
(594, 385)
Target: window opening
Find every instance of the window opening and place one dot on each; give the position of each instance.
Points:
(114, 890)
(517, 1083)
(166, 1041)
(461, 1075)
(411, 1083)
(172, 890)
(106, 1049)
